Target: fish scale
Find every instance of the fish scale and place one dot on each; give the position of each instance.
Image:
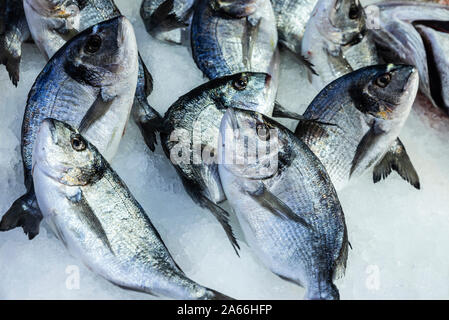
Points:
(291, 20)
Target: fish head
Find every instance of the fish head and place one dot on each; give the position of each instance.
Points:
(106, 54)
(247, 90)
(388, 91)
(348, 22)
(251, 146)
(52, 22)
(65, 156)
(234, 8)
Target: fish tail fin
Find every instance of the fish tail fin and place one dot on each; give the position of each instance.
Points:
(215, 295)
(324, 290)
(398, 160)
(148, 120)
(24, 213)
(11, 61)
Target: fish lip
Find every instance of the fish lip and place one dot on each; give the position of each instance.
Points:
(46, 128)
(124, 29)
(412, 77)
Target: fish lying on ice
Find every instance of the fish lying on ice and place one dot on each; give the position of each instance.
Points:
(90, 84)
(356, 123)
(190, 134)
(336, 41)
(54, 22)
(95, 215)
(284, 200)
(13, 33)
(418, 34)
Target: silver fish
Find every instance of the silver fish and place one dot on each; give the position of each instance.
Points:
(13, 33)
(90, 84)
(54, 22)
(401, 40)
(95, 215)
(167, 20)
(229, 37)
(355, 122)
(190, 134)
(336, 41)
(290, 214)
(291, 20)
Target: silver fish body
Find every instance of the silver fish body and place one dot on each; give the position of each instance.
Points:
(86, 86)
(336, 41)
(232, 37)
(191, 127)
(13, 33)
(291, 20)
(54, 22)
(92, 211)
(400, 39)
(291, 216)
(355, 122)
(167, 20)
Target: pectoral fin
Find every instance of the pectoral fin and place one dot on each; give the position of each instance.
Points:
(98, 109)
(365, 145)
(398, 160)
(221, 215)
(248, 40)
(275, 205)
(280, 112)
(87, 215)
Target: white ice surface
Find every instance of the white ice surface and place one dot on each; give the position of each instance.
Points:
(399, 235)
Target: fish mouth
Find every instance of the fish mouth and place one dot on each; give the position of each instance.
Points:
(125, 29)
(47, 129)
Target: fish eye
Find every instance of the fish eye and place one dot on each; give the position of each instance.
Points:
(93, 44)
(78, 143)
(353, 12)
(383, 80)
(241, 83)
(263, 132)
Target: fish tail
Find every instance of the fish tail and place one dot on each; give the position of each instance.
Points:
(325, 290)
(24, 213)
(10, 60)
(148, 120)
(215, 295)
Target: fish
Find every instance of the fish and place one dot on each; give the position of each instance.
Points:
(416, 33)
(291, 19)
(94, 214)
(54, 22)
(14, 32)
(167, 20)
(190, 131)
(336, 41)
(90, 84)
(356, 123)
(285, 202)
(228, 37)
